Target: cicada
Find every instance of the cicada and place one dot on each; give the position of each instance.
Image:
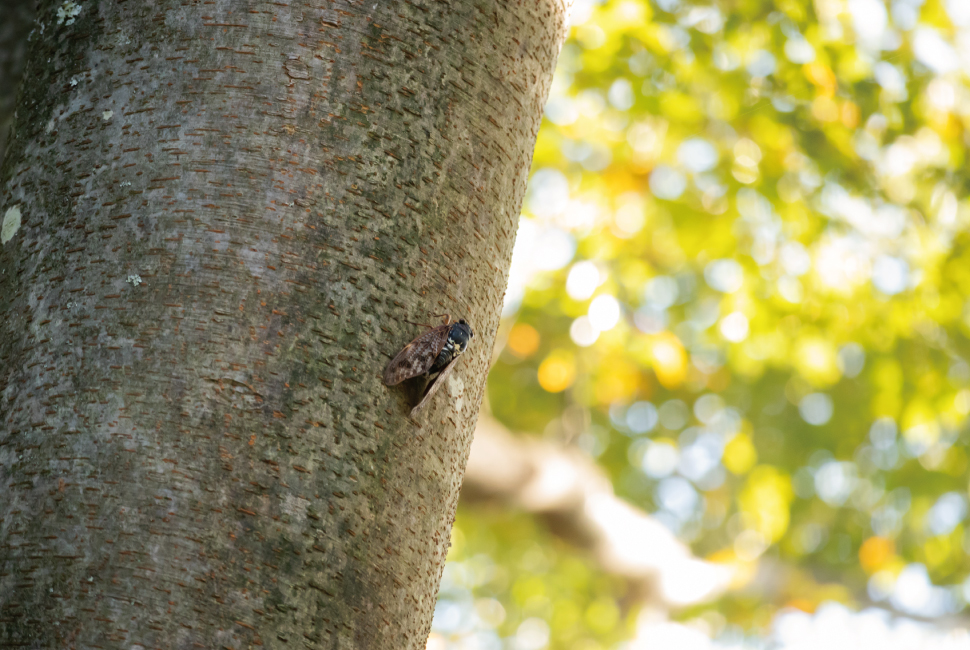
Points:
(433, 354)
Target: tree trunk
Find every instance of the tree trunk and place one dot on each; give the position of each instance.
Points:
(215, 218)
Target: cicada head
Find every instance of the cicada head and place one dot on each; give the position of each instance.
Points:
(460, 334)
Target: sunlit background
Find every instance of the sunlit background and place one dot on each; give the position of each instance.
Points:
(732, 359)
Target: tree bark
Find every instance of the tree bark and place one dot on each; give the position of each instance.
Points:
(216, 217)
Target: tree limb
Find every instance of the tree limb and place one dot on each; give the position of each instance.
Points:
(573, 497)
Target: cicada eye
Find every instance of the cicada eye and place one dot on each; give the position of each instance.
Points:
(462, 321)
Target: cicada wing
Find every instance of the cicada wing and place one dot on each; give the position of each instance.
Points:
(417, 356)
(433, 387)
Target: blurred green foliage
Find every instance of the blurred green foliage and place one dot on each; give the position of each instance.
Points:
(744, 263)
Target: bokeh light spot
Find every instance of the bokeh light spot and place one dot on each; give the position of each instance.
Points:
(557, 371)
(523, 340)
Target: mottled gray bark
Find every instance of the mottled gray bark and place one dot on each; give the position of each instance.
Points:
(216, 216)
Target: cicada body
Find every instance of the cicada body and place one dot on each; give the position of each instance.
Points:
(432, 354)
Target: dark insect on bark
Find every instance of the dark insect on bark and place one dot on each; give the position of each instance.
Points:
(433, 354)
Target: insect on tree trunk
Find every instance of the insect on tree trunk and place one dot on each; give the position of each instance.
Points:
(215, 218)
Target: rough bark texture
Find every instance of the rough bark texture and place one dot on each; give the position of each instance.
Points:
(216, 216)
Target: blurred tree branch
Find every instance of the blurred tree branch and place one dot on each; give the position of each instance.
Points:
(565, 490)
(574, 498)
